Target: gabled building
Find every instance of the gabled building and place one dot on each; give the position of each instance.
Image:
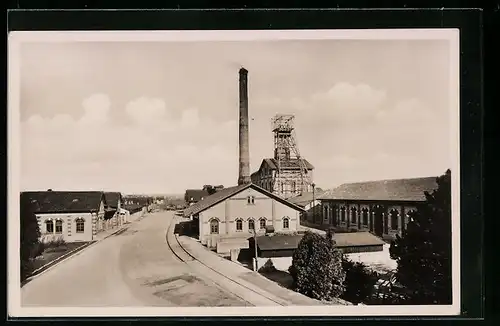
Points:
(236, 212)
(286, 178)
(114, 210)
(310, 203)
(192, 196)
(381, 207)
(70, 215)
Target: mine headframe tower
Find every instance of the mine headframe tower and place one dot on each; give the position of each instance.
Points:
(291, 168)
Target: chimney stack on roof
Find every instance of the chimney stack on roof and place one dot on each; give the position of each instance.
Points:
(244, 158)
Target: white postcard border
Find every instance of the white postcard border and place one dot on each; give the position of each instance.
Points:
(15, 39)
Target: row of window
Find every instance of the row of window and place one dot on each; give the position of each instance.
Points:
(214, 224)
(394, 215)
(57, 227)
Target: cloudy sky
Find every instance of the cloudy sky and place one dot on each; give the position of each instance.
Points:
(161, 117)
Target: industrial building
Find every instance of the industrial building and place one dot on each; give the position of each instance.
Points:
(380, 207)
(227, 218)
(286, 174)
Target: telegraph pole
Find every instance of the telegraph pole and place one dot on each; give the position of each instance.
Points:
(255, 248)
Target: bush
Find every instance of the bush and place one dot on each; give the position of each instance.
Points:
(54, 242)
(317, 268)
(30, 234)
(359, 281)
(268, 267)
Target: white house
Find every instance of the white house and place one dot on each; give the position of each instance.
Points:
(70, 215)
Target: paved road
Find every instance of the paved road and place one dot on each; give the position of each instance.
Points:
(134, 268)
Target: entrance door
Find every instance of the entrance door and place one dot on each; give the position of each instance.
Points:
(372, 218)
(379, 221)
(386, 224)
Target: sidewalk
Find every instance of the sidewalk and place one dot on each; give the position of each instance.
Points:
(98, 238)
(244, 276)
(109, 232)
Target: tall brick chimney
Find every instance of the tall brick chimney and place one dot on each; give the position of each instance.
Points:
(244, 161)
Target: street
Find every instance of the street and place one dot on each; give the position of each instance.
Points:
(134, 268)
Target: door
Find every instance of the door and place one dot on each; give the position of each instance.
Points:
(379, 221)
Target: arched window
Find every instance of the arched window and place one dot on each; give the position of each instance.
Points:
(409, 215)
(286, 223)
(214, 226)
(250, 200)
(342, 214)
(59, 226)
(49, 226)
(239, 225)
(325, 212)
(251, 224)
(80, 225)
(353, 214)
(394, 219)
(365, 216)
(262, 223)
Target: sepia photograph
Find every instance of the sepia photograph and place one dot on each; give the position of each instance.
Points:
(234, 173)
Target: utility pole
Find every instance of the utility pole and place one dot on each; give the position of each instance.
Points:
(255, 248)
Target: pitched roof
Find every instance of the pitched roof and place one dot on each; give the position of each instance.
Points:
(289, 164)
(112, 198)
(196, 194)
(225, 193)
(351, 239)
(64, 201)
(396, 189)
(305, 198)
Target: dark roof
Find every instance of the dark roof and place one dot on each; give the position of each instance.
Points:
(225, 193)
(112, 198)
(289, 164)
(351, 239)
(196, 194)
(278, 242)
(396, 189)
(64, 201)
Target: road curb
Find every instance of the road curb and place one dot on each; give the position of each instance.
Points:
(75, 252)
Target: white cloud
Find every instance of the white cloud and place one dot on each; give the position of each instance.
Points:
(156, 152)
(146, 111)
(96, 109)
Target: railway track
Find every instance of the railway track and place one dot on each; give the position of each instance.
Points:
(185, 257)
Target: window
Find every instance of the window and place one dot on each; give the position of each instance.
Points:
(59, 226)
(239, 225)
(49, 225)
(251, 224)
(80, 225)
(394, 219)
(342, 214)
(325, 213)
(286, 223)
(250, 200)
(262, 223)
(214, 226)
(353, 215)
(365, 216)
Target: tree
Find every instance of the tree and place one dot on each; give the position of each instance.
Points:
(317, 268)
(30, 235)
(423, 252)
(359, 281)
